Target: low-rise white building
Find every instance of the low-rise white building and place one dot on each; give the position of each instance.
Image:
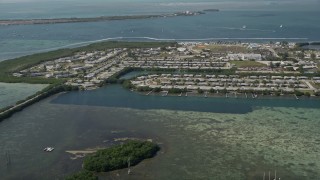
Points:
(241, 56)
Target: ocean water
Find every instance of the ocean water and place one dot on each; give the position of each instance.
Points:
(263, 22)
(201, 138)
(10, 93)
(281, 138)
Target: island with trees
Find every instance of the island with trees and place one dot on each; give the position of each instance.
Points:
(117, 157)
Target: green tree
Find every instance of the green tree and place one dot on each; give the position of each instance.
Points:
(127, 84)
(284, 43)
(157, 89)
(307, 94)
(118, 157)
(284, 56)
(313, 56)
(298, 93)
(300, 55)
(200, 91)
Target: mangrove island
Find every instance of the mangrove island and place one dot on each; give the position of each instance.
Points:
(117, 157)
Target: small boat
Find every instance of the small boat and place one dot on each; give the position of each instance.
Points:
(48, 149)
(281, 26)
(244, 27)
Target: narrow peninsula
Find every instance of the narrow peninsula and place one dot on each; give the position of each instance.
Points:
(93, 19)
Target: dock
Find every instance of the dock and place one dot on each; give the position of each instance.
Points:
(149, 92)
(8, 159)
(165, 93)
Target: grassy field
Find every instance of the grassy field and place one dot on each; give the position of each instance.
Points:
(224, 48)
(15, 65)
(243, 64)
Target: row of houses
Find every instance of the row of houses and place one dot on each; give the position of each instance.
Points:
(212, 81)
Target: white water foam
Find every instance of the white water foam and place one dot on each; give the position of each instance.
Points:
(148, 38)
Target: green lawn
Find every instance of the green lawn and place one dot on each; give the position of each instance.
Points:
(224, 48)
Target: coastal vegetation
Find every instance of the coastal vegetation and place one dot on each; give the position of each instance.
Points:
(47, 92)
(306, 44)
(219, 48)
(115, 78)
(93, 19)
(176, 90)
(116, 157)
(119, 156)
(143, 89)
(300, 93)
(127, 84)
(83, 175)
(211, 10)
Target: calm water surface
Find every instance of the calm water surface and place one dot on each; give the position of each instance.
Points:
(250, 138)
(10, 93)
(116, 96)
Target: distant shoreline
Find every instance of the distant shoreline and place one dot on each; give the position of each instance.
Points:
(7, 22)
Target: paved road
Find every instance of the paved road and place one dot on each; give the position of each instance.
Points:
(21, 104)
(309, 85)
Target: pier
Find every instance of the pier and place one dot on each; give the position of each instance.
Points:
(8, 159)
(269, 176)
(150, 92)
(165, 93)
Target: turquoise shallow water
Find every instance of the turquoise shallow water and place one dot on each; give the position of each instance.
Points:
(11, 93)
(201, 138)
(195, 145)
